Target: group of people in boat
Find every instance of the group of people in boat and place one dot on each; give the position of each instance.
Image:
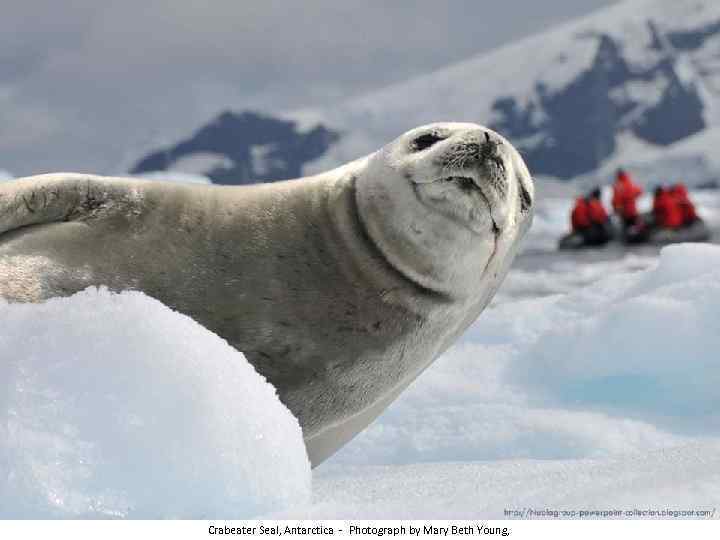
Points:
(673, 216)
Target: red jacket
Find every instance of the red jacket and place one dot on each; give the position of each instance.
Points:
(687, 208)
(580, 217)
(667, 211)
(625, 193)
(597, 211)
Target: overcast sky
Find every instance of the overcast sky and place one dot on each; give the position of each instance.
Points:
(88, 85)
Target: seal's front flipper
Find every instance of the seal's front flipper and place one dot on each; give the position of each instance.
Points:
(61, 197)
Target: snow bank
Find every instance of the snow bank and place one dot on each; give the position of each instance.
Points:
(4, 175)
(678, 480)
(550, 221)
(176, 176)
(556, 275)
(651, 346)
(113, 405)
(626, 364)
(708, 204)
(199, 164)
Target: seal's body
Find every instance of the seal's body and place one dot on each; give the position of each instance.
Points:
(339, 288)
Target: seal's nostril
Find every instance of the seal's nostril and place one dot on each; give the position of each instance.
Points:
(487, 137)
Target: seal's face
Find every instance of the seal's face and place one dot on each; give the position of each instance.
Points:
(456, 197)
(467, 174)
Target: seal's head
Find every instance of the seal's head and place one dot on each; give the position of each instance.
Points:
(447, 204)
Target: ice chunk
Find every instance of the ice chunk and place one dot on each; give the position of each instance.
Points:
(115, 405)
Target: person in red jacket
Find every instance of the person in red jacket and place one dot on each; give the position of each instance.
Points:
(596, 210)
(580, 217)
(687, 208)
(599, 221)
(625, 194)
(666, 210)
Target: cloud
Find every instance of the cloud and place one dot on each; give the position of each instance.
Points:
(94, 84)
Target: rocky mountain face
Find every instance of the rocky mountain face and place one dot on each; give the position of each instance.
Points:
(241, 149)
(571, 130)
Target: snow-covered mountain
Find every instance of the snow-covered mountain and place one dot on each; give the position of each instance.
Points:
(241, 149)
(634, 85)
(631, 80)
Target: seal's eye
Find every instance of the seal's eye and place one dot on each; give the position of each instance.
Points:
(426, 141)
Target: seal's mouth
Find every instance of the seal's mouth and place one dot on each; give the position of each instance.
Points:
(471, 185)
(463, 182)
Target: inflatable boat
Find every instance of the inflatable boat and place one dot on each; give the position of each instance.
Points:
(696, 232)
(643, 234)
(591, 239)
